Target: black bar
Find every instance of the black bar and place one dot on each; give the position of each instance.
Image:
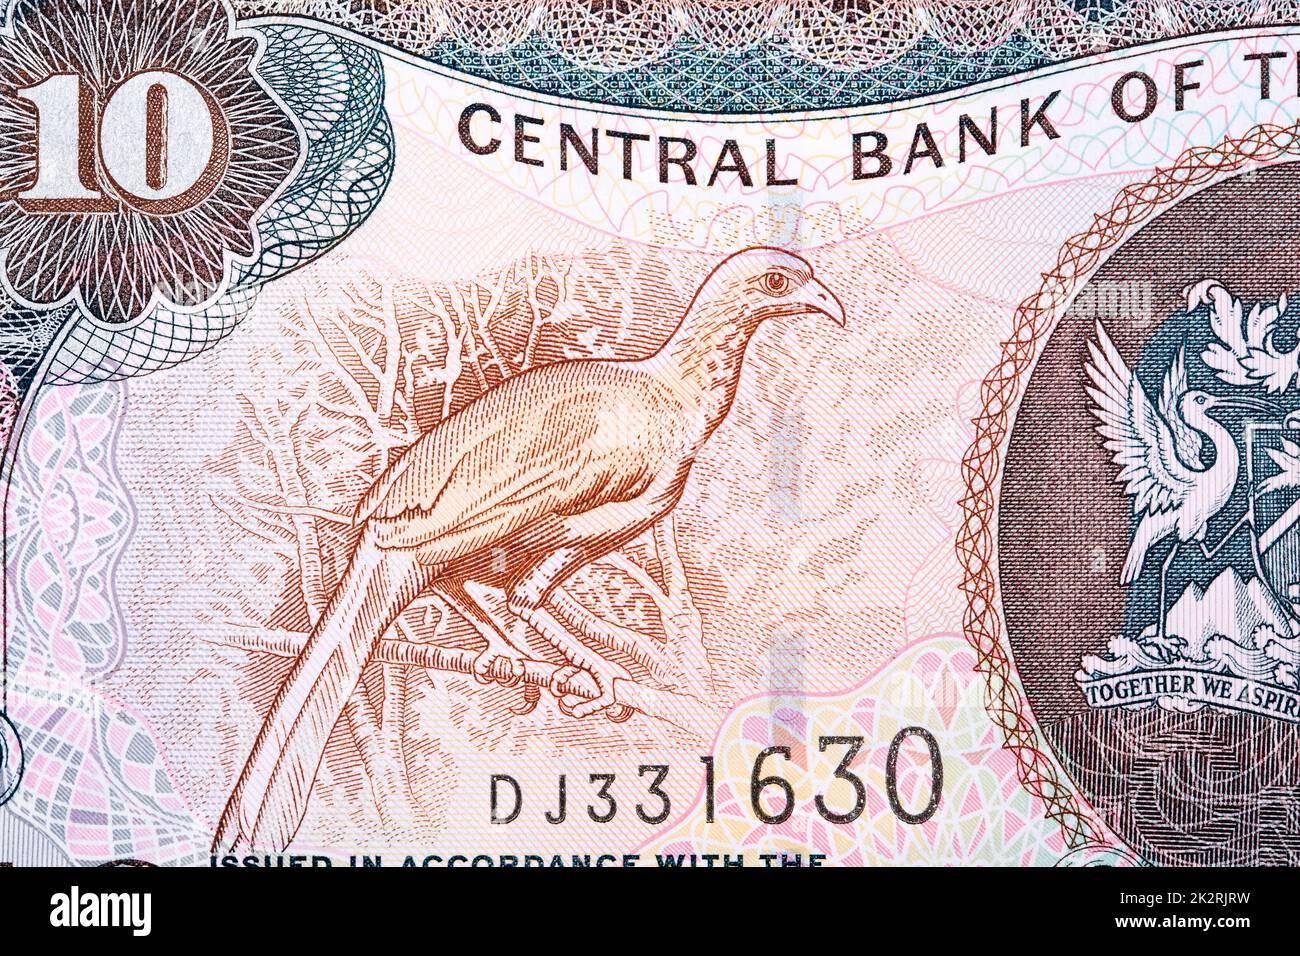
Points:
(256, 909)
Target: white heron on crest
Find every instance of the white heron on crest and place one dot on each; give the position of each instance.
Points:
(1158, 448)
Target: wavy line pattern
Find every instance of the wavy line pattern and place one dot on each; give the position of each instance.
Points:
(766, 55)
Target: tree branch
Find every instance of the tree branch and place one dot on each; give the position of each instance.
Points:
(688, 713)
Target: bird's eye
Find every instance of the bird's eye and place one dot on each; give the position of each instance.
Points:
(776, 283)
(1200, 399)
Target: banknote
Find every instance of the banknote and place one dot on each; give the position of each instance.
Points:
(685, 433)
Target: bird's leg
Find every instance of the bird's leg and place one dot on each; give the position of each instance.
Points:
(1211, 552)
(526, 599)
(1164, 573)
(1164, 646)
(500, 661)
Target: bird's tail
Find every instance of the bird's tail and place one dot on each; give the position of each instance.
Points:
(269, 801)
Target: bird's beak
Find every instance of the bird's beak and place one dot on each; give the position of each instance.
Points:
(1246, 403)
(818, 298)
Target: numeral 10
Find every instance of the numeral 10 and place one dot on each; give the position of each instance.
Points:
(158, 143)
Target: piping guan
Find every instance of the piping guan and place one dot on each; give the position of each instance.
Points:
(527, 484)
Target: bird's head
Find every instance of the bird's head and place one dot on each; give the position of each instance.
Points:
(764, 283)
(1196, 405)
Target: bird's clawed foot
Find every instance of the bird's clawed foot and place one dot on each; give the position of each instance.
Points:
(578, 706)
(1166, 647)
(532, 694)
(499, 663)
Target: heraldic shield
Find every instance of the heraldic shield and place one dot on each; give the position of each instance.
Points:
(1272, 456)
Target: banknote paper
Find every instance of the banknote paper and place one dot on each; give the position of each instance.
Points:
(688, 433)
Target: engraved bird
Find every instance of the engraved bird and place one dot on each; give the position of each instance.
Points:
(1158, 447)
(535, 479)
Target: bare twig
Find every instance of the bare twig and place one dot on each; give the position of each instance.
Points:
(380, 769)
(688, 713)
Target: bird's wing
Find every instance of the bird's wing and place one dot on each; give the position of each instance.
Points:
(554, 444)
(1139, 440)
(557, 442)
(1188, 442)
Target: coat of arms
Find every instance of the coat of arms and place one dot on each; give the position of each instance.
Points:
(1209, 457)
